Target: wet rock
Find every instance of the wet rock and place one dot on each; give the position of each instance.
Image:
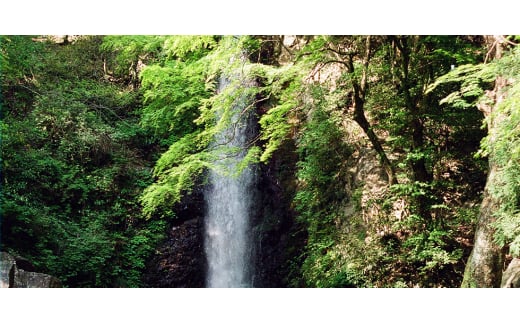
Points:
(180, 260)
(511, 277)
(277, 239)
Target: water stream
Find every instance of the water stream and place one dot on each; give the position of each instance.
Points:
(229, 201)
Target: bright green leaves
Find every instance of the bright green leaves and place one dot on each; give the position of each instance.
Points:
(127, 51)
(285, 85)
(179, 104)
(316, 51)
(180, 46)
(183, 103)
(172, 95)
(503, 140)
(504, 150)
(472, 79)
(178, 170)
(132, 46)
(275, 128)
(171, 186)
(191, 98)
(228, 57)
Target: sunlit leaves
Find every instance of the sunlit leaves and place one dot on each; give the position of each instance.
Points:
(129, 50)
(180, 46)
(275, 128)
(472, 80)
(285, 84)
(173, 94)
(192, 99)
(505, 152)
(503, 140)
(172, 185)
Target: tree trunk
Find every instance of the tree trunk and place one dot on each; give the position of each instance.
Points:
(418, 164)
(484, 266)
(360, 90)
(404, 47)
(359, 117)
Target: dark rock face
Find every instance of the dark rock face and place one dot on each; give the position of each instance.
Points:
(511, 277)
(13, 276)
(275, 233)
(179, 261)
(22, 263)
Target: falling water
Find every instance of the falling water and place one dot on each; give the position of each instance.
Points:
(229, 201)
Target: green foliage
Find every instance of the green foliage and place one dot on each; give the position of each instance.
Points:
(502, 142)
(276, 124)
(472, 80)
(186, 101)
(328, 268)
(179, 104)
(70, 166)
(125, 52)
(322, 153)
(173, 94)
(429, 249)
(20, 59)
(321, 174)
(180, 46)
(83, 123)
(505, 151)
(421, 248)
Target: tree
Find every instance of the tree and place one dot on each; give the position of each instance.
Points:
(352, 55)
(484, 266)
(73, 165)
(492, 87)
(381, 84)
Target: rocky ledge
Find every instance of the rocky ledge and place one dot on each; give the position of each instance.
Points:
(19, 273)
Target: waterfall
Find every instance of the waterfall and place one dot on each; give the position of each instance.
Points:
(229, 202)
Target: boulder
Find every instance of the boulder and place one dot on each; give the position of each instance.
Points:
(29, 279)
(511, 277)
(7, 269)
(13, 276)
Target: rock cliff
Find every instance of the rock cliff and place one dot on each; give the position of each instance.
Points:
(180, 261)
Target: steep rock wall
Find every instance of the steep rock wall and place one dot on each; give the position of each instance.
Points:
(180, 261)
(276, 234)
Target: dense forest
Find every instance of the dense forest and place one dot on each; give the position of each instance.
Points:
(381, 161)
